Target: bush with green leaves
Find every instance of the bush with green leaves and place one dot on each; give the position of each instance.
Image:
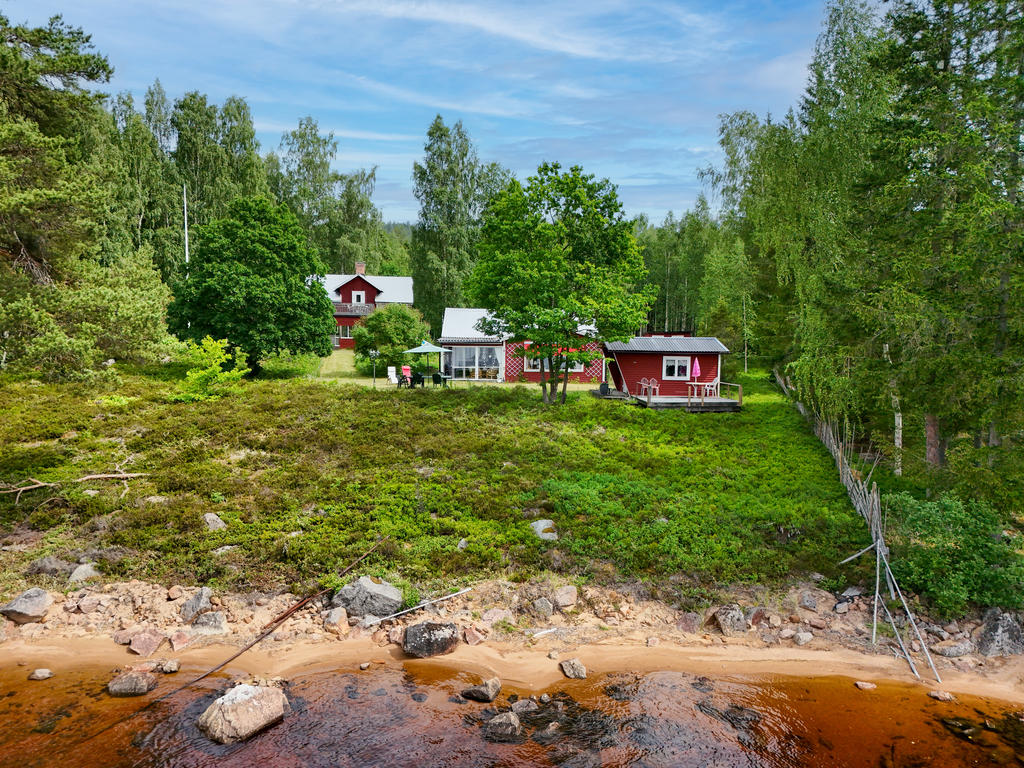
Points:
(954, 553)
(209, 377)
(390, 329)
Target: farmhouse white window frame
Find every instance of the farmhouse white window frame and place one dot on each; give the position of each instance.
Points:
(672, 362)
(358, 297)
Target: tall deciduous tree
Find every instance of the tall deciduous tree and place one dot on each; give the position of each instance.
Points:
(452, 186)
(335, 209)
(251, 282)
(558, 258)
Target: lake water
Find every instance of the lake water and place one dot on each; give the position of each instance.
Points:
(390, 717)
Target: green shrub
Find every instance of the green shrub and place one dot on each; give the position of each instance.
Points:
(208, 379)
(954, 554)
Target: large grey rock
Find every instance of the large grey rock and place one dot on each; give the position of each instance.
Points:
(132, 683)
(803, 638)
(368, 595)
(503, 726)
(197, 604)
(213, 522)
(49, 566)
(545, 530)
(543, 607)
(1000, 635)
(243, 711)
(41, 674)
(84, 572)
(486, 691)
(430, 639)
(566, 597)
(210, 623)
(954, 648)
(808, 601)
(731, 620)
(31, 605)
(573, 668)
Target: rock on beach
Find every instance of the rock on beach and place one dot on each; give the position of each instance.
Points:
(368, 596)
(430, 638)
(28, 607)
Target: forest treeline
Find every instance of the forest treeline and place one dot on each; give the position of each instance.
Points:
(867, 244)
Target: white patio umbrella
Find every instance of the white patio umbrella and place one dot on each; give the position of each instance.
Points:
(425, 348)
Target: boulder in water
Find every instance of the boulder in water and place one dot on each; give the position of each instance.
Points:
(243, 711)
(132, 683)
(502, 727)
(488, 690)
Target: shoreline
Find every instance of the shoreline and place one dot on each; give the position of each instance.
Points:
(527, 670)
(517, 632)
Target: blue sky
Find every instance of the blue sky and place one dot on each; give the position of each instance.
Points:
(631, 89)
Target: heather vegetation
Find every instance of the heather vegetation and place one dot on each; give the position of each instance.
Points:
(306, 474)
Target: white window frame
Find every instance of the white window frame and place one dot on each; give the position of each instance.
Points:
(675, 359)
(344, 331)
(358, 297)
(532, 365)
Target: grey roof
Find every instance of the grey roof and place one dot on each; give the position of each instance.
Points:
(684, 345)
(459, 326)
(393, 290)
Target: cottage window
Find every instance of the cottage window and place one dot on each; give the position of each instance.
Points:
(532, 365)
(344, 331)
(675, 368)
(358, 297)
(475, 362)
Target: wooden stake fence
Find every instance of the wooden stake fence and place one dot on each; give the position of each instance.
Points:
(866, 500)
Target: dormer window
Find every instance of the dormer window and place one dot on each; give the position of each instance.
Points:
(358, 297)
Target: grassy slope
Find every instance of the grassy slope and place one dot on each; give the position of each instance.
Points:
(307, 473)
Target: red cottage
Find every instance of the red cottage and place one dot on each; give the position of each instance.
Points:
(356, 296)
(475, 356)
(684, 367)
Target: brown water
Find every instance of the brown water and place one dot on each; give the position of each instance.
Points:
(387, 717)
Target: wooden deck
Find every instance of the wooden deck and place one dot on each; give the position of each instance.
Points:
(691, 404)
(694, 404)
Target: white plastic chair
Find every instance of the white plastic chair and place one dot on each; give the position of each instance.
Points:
(392, 375)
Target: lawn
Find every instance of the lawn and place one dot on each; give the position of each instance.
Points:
(308, 471)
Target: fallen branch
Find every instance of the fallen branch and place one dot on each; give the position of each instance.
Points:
(112, 476)
(31, 484)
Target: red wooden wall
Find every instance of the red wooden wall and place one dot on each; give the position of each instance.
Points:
(344, 292)
(640, 365)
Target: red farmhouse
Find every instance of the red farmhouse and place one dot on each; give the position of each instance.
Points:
(673, 361)
(356, 296)
(476, 356)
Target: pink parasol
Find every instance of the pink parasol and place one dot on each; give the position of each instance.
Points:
(696, 368)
